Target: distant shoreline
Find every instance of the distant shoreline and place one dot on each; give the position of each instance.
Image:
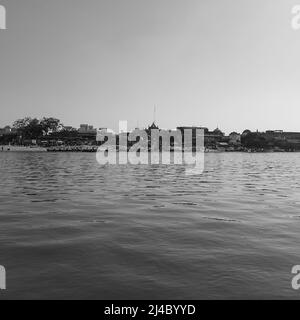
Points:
(7, 148)
(93, 149)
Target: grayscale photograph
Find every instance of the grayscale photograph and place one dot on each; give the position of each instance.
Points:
(150, 150)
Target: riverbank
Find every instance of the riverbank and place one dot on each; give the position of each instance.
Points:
(73, 149)
(8, 148)
(86, 148)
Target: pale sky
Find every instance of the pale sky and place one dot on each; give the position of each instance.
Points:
(231, 63)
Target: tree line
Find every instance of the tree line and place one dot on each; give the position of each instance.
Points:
(28, 128)
(32, 129)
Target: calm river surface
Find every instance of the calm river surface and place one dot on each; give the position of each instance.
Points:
(73, 229)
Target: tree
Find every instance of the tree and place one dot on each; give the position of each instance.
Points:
(21, 124)
(51, 125)
(28, 128)
(34, 129)
(254, 140)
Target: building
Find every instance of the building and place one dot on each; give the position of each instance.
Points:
(272, 140)
(85, 128)
(280, 135)
(222, 146)
(69, 128)
(87, 134)
(194, 129)
(292, 137)
(103, 134)
(235, 139)
(7, 130)
(152, 127)
(212, 138)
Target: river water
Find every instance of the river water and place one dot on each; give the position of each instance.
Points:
(71, 228)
